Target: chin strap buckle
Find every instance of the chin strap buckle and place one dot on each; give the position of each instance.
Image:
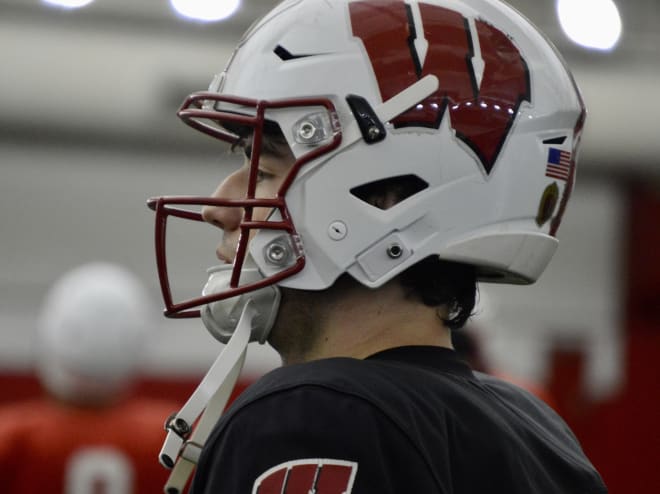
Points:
(179, 426)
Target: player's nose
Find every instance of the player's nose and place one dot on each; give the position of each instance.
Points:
(227, 218)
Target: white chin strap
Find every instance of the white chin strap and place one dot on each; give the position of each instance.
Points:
(183, 445)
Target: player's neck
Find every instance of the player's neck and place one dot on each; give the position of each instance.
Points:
(368, 322)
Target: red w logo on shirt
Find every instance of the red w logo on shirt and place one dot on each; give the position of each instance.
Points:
(317, 476)
(483, 77)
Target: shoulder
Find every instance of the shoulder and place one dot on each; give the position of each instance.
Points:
(374, 380)
(323, 389)
(300, 417)
(26, 416)
(318, 394)
(347, 375)
(525, 401)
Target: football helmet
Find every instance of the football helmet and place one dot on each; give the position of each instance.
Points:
(90, 333)
(466, 98)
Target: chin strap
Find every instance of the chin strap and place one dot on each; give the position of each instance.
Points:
(183, 445)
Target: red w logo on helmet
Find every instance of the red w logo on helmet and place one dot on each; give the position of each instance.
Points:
(483, 77)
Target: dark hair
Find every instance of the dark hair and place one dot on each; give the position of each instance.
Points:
(443, 283)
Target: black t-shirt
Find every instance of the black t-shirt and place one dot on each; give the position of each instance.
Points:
(406, 420)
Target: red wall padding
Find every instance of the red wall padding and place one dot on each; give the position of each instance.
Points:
(621, 436)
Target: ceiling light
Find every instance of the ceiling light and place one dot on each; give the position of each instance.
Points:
(69, 4)
(590, 23)
(205, 10)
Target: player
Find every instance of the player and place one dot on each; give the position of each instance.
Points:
(87, 436)
(396, 153)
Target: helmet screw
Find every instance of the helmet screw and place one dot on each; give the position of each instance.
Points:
(337, 230)
(394, 251)
(178, 425)
(373, 132)
(181, 427)
(307, 130)
(276, 253)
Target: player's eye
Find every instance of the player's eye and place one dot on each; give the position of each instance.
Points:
(264, 175)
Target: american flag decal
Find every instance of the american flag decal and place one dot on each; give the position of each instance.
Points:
(559, 164)
(308, 476)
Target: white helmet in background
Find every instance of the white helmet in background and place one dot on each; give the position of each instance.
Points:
(464, 99)
(91, 333)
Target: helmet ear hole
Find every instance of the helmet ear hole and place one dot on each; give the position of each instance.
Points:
(390, 191)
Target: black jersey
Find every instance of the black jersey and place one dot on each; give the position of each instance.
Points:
(406, 420)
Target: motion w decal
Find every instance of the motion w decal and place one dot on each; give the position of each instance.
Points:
(483, 77)
(321, 476)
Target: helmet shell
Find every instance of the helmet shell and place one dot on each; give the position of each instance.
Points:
(485, 142)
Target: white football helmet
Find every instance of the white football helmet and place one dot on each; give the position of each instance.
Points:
(465, 98)
(91, 333)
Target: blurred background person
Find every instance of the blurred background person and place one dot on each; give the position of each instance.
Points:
(87, 436)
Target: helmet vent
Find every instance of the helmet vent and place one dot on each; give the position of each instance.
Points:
(555, 140)
(285, 55)
(388, 192)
